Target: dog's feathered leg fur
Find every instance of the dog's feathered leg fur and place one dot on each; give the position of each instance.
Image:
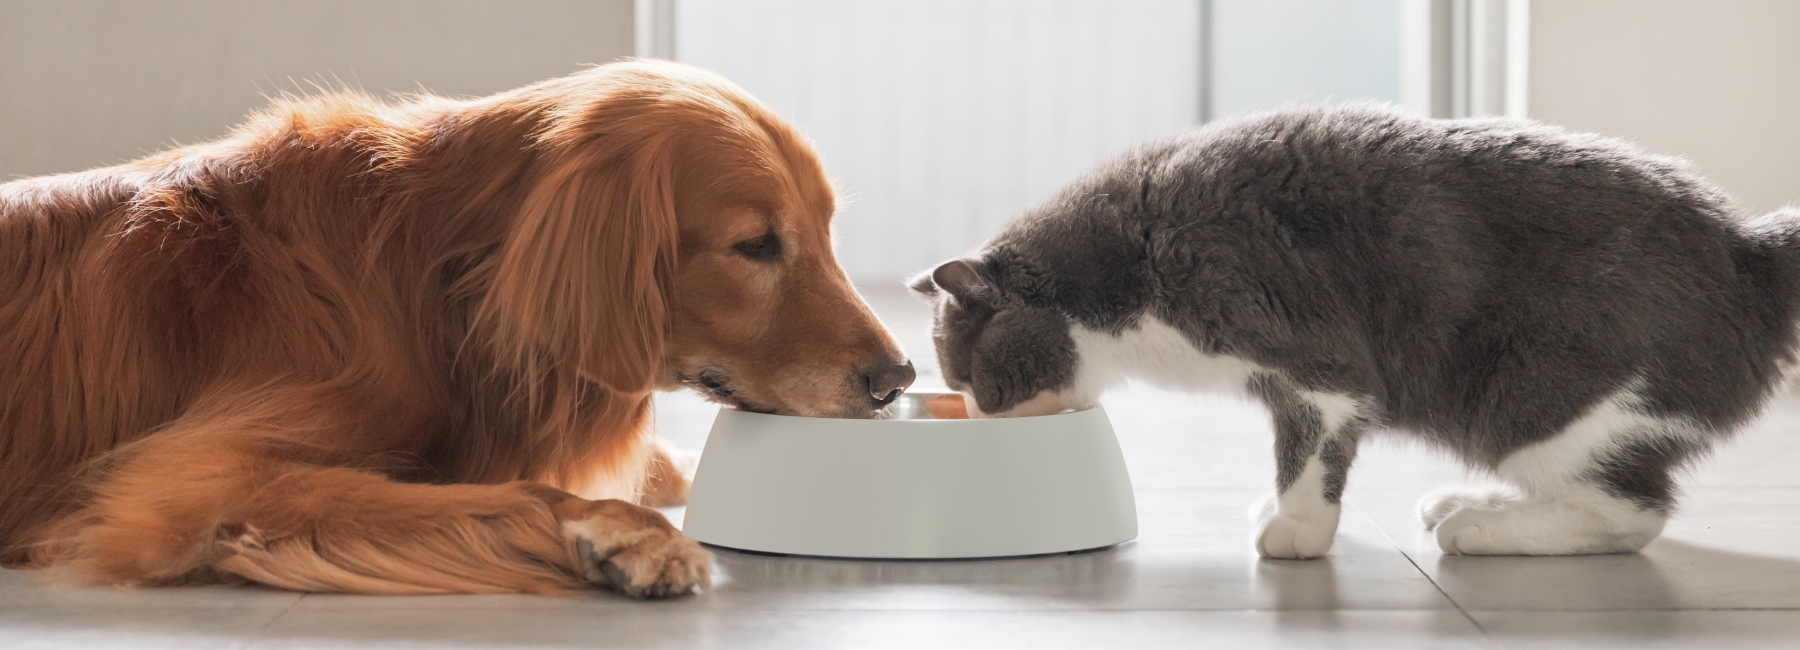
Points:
(241, 492)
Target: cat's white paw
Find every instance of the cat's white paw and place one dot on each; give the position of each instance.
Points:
(1472, 531)
(1559, 527)
(1436, 506)
(1294, 533)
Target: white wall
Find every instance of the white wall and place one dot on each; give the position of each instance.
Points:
(1716, 81)
(1267, 53)
(943, 118)
(85, 83)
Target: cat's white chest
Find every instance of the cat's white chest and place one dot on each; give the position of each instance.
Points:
(1157, 354)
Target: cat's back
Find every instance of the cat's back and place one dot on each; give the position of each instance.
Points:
(1375, 156)
(1401, 255)
(1371, 202)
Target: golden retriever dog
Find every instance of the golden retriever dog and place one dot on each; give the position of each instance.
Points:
(409, 347)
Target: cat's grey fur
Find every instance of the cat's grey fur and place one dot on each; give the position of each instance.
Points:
(1488, 285)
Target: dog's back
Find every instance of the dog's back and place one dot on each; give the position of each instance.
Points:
(309, 283)
(128, 293)
(55, 287)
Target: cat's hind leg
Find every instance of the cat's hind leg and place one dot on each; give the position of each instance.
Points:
(1315, 442)
(1604, 484)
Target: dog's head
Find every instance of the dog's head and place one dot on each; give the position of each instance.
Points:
(679, 233)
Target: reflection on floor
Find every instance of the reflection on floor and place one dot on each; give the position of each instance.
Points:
(1726, 574)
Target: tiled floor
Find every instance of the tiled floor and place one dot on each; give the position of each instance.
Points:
(1726, 574)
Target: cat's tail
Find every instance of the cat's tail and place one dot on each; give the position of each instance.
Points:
(1778, 230)
(1777, 235)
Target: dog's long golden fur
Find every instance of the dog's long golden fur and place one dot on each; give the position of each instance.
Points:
(397, 347)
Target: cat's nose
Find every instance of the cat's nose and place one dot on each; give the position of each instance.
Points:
(889, 380)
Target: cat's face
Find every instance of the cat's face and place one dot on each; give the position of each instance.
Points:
(1010, 359)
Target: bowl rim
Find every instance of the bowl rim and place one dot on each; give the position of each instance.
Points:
(735, 412)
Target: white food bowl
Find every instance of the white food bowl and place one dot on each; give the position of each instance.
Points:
(912, 486)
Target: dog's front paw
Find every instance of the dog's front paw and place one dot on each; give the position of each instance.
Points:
(1295, 535)
(635, 556)
(658, 568)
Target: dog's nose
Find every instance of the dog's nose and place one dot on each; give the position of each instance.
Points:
(888, 381)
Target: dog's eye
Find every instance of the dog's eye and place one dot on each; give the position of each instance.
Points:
(766, 247)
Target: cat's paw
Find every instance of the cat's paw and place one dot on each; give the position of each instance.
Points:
(1574, 524)
(1438, 505)
(1294, 533)
(1475, 531)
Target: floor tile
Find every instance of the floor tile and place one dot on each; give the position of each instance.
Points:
(427, 628)
(20, 589)
(1738, 630)
(132, 625)
(1193, 551)
(1727, 548)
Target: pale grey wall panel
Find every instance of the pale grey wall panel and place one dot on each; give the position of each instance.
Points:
(1717, 82)
(85, 83)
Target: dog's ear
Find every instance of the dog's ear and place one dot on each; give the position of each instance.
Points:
(958, 278)
(586, 273)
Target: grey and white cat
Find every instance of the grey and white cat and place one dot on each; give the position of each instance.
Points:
(1574, 315)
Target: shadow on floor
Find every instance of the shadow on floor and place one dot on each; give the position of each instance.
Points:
(1668, 575)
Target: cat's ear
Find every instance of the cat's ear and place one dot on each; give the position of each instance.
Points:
(958, 278)
(923, 285)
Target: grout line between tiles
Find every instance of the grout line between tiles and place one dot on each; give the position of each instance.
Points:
(1415, 564)
(1591, 610)
(260, 629)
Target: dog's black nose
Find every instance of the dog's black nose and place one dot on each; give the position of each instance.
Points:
(888, 381)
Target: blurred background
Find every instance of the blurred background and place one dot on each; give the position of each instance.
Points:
(938, 118)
